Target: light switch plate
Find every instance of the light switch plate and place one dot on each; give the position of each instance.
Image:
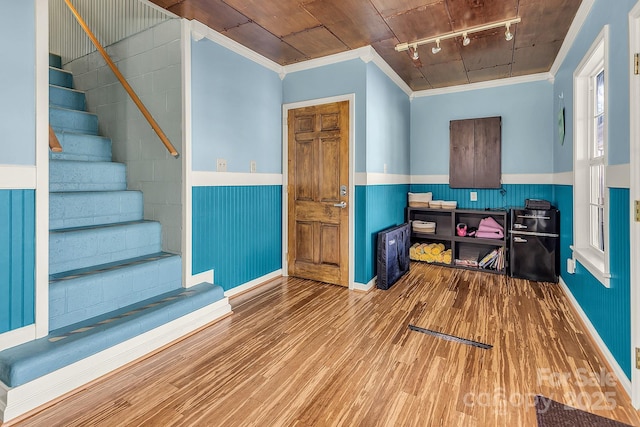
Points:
(254, 166)
(221, 165)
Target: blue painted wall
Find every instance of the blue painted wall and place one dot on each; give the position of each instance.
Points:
(608, 309)
(616, 15)
(388, 124)
(237, 110)
(332, 80)
(237, 231)
(17, 263)
(527, 121)
(377, 207)
(17, 83)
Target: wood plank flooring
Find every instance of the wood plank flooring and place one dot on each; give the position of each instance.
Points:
(302, 353)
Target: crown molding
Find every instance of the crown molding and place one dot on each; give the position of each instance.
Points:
(386, 68)
(572, 34)
(366, 54)
(359, 53)
(200, 31)
(486, 85)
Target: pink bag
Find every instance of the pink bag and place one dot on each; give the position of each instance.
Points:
(489, 229)
(489, 224)
(489, 234)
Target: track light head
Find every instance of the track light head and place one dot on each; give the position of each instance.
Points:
(436, 48)
(415, 56)
(508, 35)
(465, 39)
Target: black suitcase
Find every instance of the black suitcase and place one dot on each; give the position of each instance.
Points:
(393, 255)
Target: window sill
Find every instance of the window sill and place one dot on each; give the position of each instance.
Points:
(593, 261)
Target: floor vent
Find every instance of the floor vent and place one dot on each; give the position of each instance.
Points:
(450, 337)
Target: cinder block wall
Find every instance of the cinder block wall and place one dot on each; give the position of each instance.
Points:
(151, 63)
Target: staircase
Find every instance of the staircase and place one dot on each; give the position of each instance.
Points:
(114, 295)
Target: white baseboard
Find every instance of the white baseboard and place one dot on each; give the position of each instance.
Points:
(16, 401)
(364, 287)
(204, 277)
(17, 337)
(252, 284)
(617, 370)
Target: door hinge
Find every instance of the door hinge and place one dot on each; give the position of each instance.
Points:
(636, 64)
(637, 358)
(637, 205)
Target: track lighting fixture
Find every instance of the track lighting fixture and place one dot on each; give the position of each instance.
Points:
(508, 35)
(436, 48)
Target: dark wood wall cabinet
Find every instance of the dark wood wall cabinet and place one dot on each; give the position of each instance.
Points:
(475, 153)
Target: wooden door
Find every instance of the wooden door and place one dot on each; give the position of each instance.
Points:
(318, 195)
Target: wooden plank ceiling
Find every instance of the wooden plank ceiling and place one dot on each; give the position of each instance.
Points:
(290, 31)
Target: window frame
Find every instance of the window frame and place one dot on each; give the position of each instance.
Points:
(595, 60)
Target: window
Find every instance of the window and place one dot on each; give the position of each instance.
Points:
(590, 234)
(596, 164)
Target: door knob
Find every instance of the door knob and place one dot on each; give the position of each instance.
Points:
(341, 205)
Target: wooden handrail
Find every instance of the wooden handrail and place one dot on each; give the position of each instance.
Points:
(134, 97)
(54, 144)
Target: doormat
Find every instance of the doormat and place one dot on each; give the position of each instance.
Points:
(550, 413)
(450, 337)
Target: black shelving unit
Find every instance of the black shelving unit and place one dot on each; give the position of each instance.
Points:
(446, 221)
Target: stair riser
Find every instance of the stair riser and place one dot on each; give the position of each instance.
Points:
(55, 60)
(60, 78)
(78, 146)
(67, 210)
(66, 98)
(65, 176)
(70, 250)
(75, 300)
(73, 121)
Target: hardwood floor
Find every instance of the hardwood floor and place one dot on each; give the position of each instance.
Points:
(303, 353)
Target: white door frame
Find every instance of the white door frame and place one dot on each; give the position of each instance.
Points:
(634, 194)
(285, 177)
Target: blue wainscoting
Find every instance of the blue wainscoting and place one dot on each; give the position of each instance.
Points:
(17, 262)
(377, 207)
(608, 309)
(510, 194)
(237, 231)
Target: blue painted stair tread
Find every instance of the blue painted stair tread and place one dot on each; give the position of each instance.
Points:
(82, 247)
(66, 175)
(62, 347)
(79, 294)
(83, 147)
(64, 97)
(64, 119)
(82, 209)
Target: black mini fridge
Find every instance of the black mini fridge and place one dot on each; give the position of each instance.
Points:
(534, 244)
